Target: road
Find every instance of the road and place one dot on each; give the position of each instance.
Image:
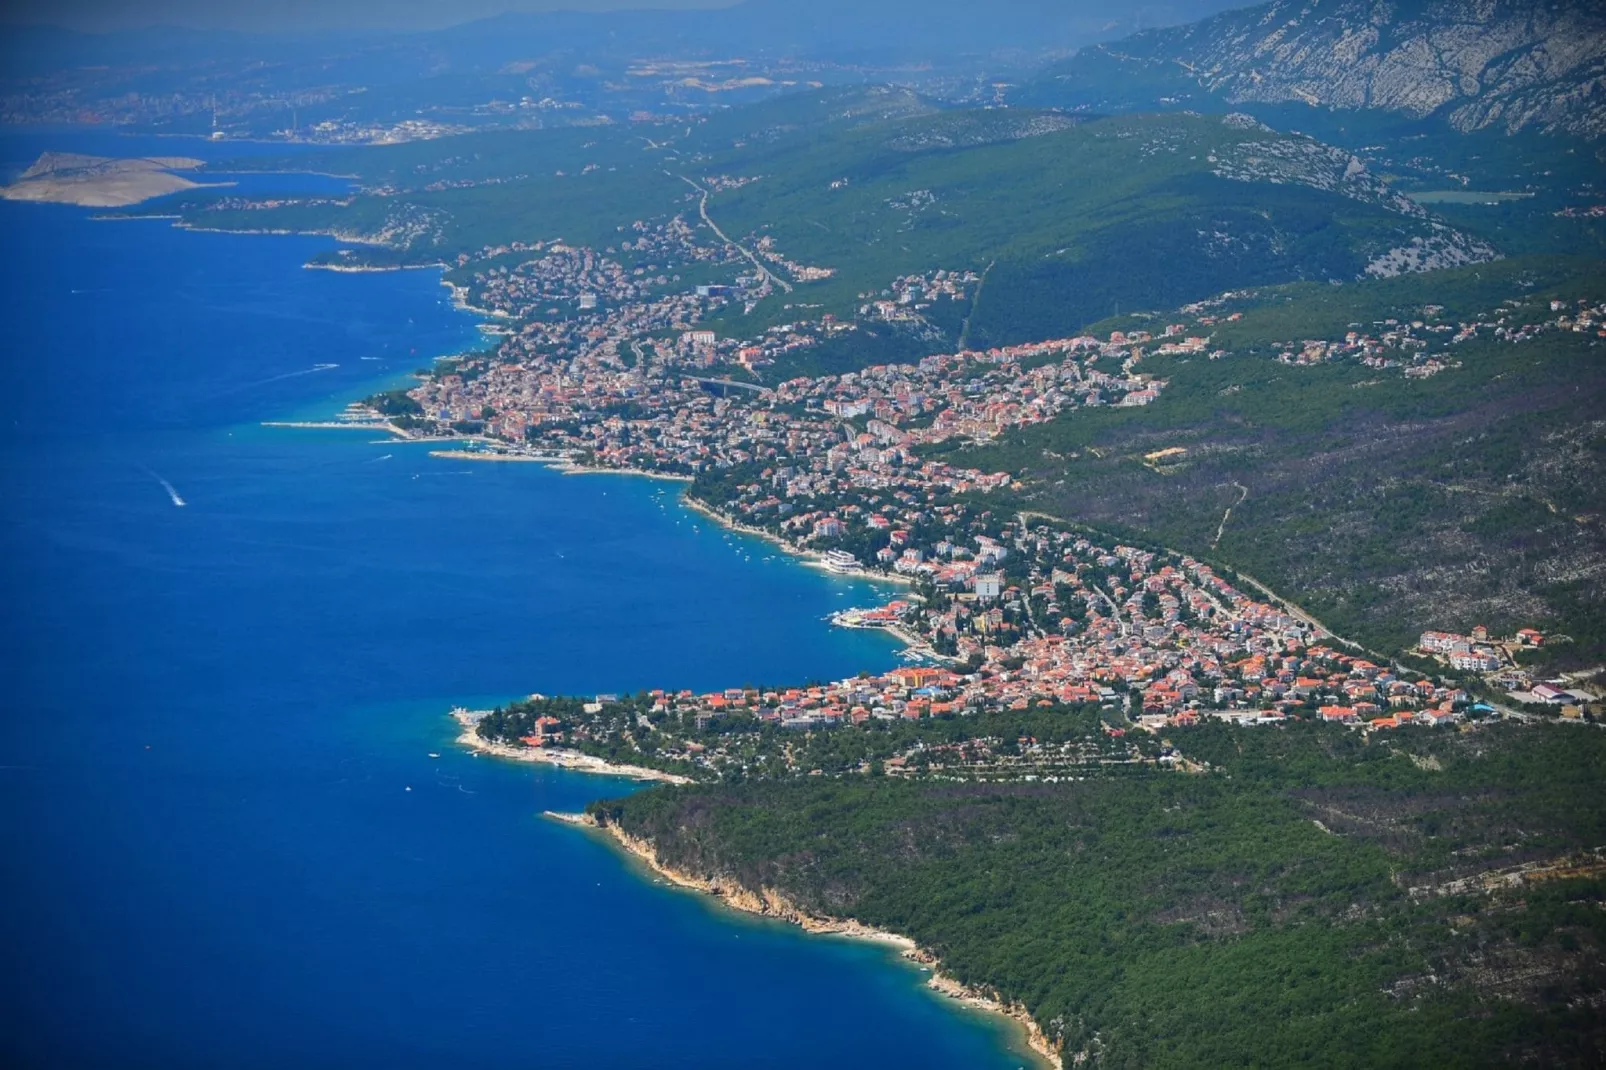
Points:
(1507, 712)
(1270, 595)
(702, 209)
(1115, 610)
(752, 388)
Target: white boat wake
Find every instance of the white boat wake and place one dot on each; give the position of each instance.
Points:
(314, 370)
(171, 491)
(253, 384)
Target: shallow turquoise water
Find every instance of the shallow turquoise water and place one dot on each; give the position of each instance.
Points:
(213, 712)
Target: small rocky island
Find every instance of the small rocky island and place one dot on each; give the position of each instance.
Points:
(100, 181)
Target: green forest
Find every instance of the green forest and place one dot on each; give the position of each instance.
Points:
(1291, 905)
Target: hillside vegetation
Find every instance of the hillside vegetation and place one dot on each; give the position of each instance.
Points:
(1071, 220)
(1383, 505)
(1297, 905)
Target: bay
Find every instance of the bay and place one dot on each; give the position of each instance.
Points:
(222, 840)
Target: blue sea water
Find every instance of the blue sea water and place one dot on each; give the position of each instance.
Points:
(213, 713)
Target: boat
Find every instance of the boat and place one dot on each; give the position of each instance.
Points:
(432, 754)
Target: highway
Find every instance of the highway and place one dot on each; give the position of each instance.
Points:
(702, 209)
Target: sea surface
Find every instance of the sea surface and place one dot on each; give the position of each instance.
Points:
(222, 841)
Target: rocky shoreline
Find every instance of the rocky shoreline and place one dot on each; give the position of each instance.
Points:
(771, 903)
(572, 760)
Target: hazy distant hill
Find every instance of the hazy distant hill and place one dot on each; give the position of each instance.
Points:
(544, 68)
(1070, 220)
(1478, 64)
(821, 29)
(948, 26)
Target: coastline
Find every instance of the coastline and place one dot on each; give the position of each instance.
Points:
(808, 557)
(570, 468)
(571, 760)
(371, 269)
(489, 455)
(770, 903)
(460, 300)
(561, 465)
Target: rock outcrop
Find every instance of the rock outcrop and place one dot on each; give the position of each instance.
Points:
(1510, 65)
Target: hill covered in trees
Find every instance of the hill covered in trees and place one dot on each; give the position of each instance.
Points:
(1312, 898)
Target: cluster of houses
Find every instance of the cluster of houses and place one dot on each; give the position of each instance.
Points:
(1013, 614)
(600, 384)
(1421, 346)
(1478, 652)
(1019, 616)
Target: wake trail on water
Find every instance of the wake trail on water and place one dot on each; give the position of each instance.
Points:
(314, 370)
(172, 493)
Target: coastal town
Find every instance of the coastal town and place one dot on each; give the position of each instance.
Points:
(622, 359)
(1122, 644)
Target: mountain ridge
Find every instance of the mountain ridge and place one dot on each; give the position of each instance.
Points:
(1512, 65)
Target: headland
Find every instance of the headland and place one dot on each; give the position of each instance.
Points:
(101, 181)
(572, 760)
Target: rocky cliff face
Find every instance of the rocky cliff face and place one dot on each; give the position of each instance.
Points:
(1503, 64)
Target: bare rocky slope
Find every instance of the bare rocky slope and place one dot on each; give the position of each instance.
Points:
(1511, 65)
(99, 181)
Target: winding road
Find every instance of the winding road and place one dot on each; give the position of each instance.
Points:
(702, 209)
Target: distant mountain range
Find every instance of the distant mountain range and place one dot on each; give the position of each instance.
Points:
(1509, 65)
(1457, 65)
(819, 29)
(583, 65)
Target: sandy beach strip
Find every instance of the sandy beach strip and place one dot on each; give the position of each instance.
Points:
(570, 468)
(490, 455)
(808, 557)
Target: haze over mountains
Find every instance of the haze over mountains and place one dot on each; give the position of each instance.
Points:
(1477, 65)
(1509, 65)
(900, 27)
(580, 65)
